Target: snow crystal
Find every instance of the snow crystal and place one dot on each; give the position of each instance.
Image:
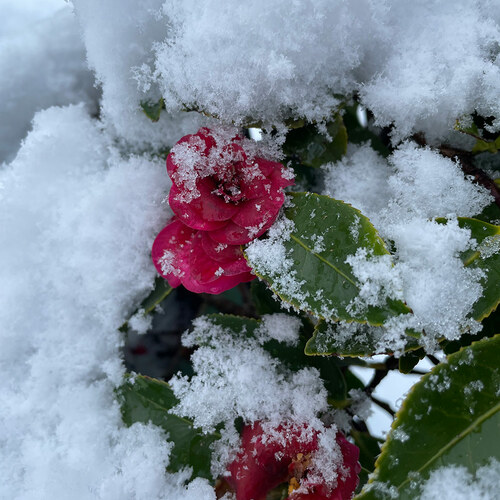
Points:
(77, 223)
(271, 256)
(119, 35)
(413, 186)
(140, 322)
(377, 278)
(282, 327)
(417, 65)
(428, 185)
(399, 434)
(443, 64)
(454, 482)
(361, 404)
(360, 179)
(474, 386)
(489, 246)
(234, 378)
(42, 63)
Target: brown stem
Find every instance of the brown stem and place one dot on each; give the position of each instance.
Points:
(383, 405)
(433, 359)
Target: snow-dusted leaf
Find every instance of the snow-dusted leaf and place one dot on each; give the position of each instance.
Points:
(153, 109)
(144, 399)
(292, 356)
(451, 417)
(313, 148)
(160, 292)
(486, 256)
(349, 340)
(305, 262)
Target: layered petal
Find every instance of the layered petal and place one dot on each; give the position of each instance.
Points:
(179, 255)
(284, 453)
(206, 212)
(171, 251)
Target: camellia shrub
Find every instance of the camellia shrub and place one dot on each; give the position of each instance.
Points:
(202, 253)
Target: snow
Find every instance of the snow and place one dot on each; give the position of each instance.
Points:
(281, 327)
(80, 204)
(77, 223)
(455, 482)
(235, 378)
(119, 36)
(419, 65)
(401, 196)
(42, 63)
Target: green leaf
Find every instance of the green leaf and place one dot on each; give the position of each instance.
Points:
(160, 292)
(487, 258)
(262, 298)
(327, 339)
(311, 272)
(452, 416)
(153, 109)
(312, 148)
(144, 399)
(482, 145)
(409, 360)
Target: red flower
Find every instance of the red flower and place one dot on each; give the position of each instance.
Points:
(269, 459)
(218, 186)
(191, 257)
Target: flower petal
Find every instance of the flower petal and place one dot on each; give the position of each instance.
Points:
(199, 144)
(230, 257)
(206, 213)
(259, 213)
(171, 249)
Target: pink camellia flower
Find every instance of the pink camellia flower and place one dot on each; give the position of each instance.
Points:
(269, 459)
(284, 454)
(188, 256)
(221, 187)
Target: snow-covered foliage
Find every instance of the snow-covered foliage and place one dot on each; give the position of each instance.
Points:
(83, 193)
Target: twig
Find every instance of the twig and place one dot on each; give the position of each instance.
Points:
(433, 359)
(383, 405)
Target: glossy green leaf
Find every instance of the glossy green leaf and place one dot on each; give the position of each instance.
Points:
(327, 339)
(312, 148)
(487, 258)
(262, 298)
(409, 360)
(161, 291)
(451, 417)
(312, 273)
(153, 109)
(144, 399)
(484, 145)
